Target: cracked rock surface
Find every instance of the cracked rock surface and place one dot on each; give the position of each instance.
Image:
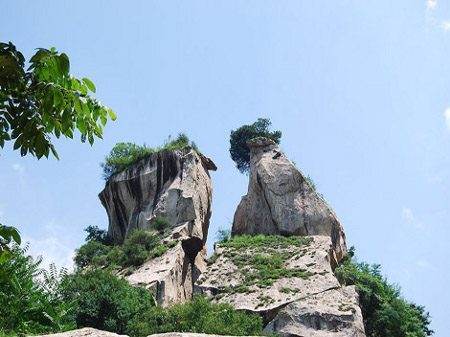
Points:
(280, 200)
(174, 184)
(298, 297)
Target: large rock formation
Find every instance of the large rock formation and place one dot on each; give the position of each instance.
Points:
(299, 296)
(174, 184)
(85, 332)
(280, 200)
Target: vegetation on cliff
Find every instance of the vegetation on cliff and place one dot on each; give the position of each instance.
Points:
(123, 155)
(239, 151)
(53, 301)
(385, 311)
(141, 245)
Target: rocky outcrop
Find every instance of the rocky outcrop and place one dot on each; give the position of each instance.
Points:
(85, 332)
(298, 296)
(174, 184)
(306, 270)
(335, 312)
(280, 200)
(171, 276)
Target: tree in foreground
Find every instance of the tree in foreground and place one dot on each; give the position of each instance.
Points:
(240, 153)
(45, 100)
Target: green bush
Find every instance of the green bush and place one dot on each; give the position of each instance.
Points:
(198, 316)
(384, 310)
(123, 155)
(137, 247)
(108, 303)
(88, 253)
(160, 223)
(99, 235)
(223, 235)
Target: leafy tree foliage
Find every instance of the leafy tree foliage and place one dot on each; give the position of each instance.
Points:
(198, 316)
(384, 311)
(99, 235)
(7, 235)
(123, 155)
(45, 100)
(32, 305)
(139, 246)
(107, 302)
(240, 153)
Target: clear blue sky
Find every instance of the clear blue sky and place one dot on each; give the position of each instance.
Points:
(359, 88)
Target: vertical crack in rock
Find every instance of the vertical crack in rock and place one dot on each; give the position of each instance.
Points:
(174, 184)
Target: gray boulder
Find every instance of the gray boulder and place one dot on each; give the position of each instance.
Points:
(334, 312)
(280, 200)
(174, 184)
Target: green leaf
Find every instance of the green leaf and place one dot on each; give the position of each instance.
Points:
(85, 108)
(48, 101)
(54, 151)
(112, 115)
(89, 84)
(18, 142)
(81, 125)
(65, 64)
(41, 145)
(103, 119)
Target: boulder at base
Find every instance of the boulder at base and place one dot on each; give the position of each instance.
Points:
(335, 312)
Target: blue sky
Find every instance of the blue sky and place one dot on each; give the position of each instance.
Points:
(360, 90)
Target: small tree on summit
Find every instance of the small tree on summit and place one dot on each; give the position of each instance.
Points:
(239, 151)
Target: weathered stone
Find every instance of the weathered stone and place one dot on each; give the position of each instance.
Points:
(174, 184)
(334, 312)
(85, 332)
(223, 279)
(280, 200)
(185, 334)
(171, 276)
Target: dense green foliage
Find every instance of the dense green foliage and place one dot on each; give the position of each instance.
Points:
(29, 305)
(199, 316)
(137, 248)
(107, 302)
(7, 235)
(239, 151)
(99, 235)
(384, 310)
(45, 100)
(123, 155)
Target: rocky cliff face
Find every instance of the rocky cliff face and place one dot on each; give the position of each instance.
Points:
(289, 281)
(174, 184)
(287, 276)
(280, 200)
